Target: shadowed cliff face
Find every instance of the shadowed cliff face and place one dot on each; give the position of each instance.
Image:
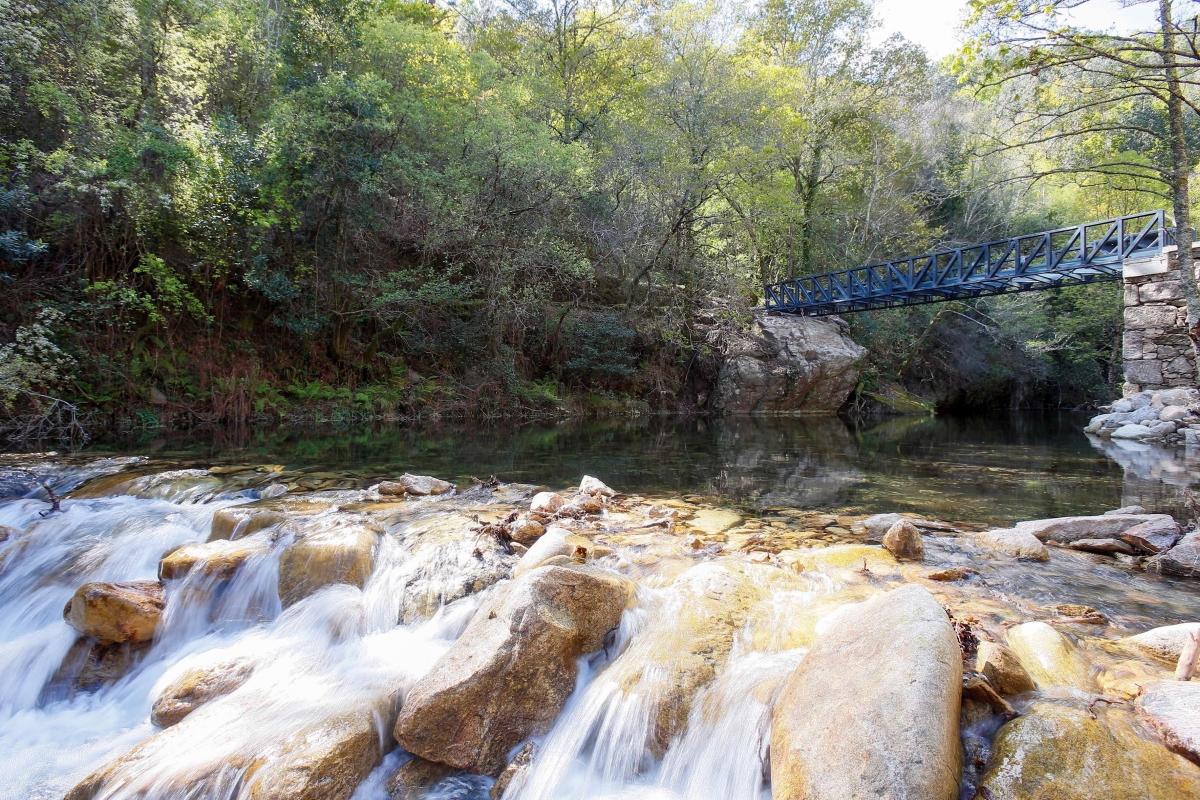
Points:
(789, 365)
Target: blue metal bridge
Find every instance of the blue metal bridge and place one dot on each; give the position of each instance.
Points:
(1088, 253)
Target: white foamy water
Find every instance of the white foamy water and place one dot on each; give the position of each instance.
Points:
(342, 651)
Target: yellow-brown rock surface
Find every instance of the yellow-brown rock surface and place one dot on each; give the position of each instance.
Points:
(342, 555)
(117, 612)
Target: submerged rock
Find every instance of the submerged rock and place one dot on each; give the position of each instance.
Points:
(1105, 547)
(1003, 669)
(117, 612)
(1173, 708)
(195, 688)
(788, 364)
(872, 710)
(516, 770)
(1166, 642)
(1050, 658)
(343, 555)
(415, 778)
(509, 674)
(90, 665)
(1017, 543)
(903, 540)
(1060, 752)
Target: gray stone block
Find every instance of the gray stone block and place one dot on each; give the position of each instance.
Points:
(1144, 372)
(1150, 317)
(1159, 291)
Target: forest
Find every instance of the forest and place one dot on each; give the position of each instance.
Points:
(239, 211)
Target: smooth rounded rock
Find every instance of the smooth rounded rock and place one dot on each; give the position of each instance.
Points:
(1050, 658)
(1165, 642)
(872, 710)
(117, 612)
(546, 503)
(321, 558)
(903, 540)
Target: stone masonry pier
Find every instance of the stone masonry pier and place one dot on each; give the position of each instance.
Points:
(1157, 351)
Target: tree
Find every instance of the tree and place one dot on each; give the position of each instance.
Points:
(1104, 106)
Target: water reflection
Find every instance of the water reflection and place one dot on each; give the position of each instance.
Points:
(993, 470)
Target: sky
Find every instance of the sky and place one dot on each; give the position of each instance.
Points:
(934, 24)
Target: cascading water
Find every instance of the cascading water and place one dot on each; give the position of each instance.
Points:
(677, 705)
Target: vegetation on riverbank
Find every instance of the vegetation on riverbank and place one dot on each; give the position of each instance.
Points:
(224, 212)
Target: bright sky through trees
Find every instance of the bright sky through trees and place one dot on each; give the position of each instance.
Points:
(935, 24)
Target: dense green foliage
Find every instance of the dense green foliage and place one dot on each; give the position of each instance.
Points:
(214, 209)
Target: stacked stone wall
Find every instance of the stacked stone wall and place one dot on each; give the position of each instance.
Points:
(1157, 351)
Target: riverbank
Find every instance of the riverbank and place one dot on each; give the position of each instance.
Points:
(278, 617)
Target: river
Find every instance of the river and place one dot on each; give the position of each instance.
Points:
(341, 647)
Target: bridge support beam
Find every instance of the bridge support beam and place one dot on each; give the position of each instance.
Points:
(1157, 351)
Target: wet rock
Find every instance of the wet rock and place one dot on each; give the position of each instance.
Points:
(1183, 559)
(90, 665)
(1173, 708)
(419, 485)
(1070, 529)
(1105, 547)
(238, 521)
(1124, 510)
(712, 521)
(219, 559)
(585, 503)
(878, 525)
(324, 761)
(1060, 752)
(951, 574)
(526, 531)
(515, 772)
(1166, 642)
(872, 710)
(1014, 542)
(8, 532)
(117, 612)
(978, 688)
(1050, 658)
(903, 540)
(788, 364)
(1132, 431)
(1002, 669)
(546, 503)
(195, 688)
(416, 778)
(1154, 536)
(1173, 413)
(851, 560)
(345, 555)
(554, 542)
(594, 486)
(510, 673)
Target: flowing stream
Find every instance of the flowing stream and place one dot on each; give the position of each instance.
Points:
(345, 651)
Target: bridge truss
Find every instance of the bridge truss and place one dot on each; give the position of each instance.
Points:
(1088, 253)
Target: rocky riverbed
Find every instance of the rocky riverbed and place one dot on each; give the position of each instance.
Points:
(241, 631)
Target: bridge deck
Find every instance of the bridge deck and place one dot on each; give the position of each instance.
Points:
(1086, 253)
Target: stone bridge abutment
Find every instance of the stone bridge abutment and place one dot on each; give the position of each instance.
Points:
(1157, 351)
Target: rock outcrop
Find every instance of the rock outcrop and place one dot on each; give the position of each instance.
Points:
(1165, 642)
(510, 673)
(126, 612)
(788, 364)
(219, 558)
(1069, 529)
(1183, 559)
(1063, 752)
(872, 710)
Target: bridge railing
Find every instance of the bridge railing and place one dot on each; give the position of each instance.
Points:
(1084, 253)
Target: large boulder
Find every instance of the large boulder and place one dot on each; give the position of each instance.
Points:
(342, 555)
(117, 612)
(872, 710)
(325, 761)
(510, 673)
(788, 364)
(1050, 658)
(1173, 708)
(1070, 529)
(1154, 536)
(1062, 752)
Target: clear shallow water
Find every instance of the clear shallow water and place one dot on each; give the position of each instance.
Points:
(992, 470)
(341, 650)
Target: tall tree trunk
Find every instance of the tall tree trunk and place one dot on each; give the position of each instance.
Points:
(1179, 173)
